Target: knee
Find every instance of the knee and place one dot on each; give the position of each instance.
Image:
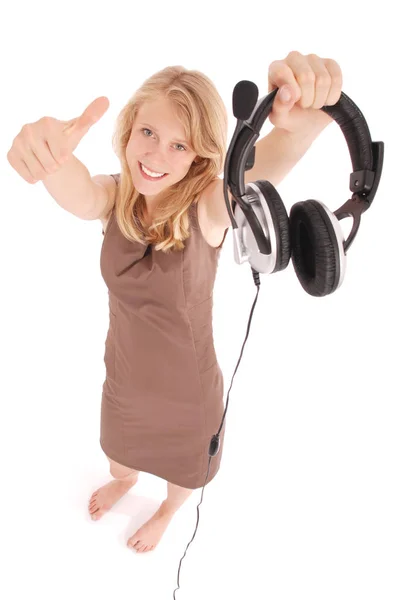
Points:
(121, 472)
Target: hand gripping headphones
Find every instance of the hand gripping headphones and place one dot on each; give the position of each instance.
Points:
(311, 236)
(263, 233)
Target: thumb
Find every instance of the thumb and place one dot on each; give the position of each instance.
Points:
(285, 97)
(78, 127)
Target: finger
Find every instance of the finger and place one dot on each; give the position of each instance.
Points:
(304, 76)
(280, 74)
(34, 165)
(35, 154)
(21, 167)
(322, 81)
(336, 81)
(58, 145)
(39, 148)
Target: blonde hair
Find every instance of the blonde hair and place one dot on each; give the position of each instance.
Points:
(203, 115)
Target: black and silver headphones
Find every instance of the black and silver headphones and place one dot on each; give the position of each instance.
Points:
(263, 233)
(311, 236)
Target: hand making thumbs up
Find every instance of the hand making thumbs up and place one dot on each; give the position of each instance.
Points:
(42, 147)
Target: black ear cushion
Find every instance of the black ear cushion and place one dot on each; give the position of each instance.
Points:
(315, 253)
(280, 221)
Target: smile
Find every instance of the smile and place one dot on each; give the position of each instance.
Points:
(150, 177)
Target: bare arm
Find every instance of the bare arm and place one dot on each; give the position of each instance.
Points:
(73, 188)
(43, 151)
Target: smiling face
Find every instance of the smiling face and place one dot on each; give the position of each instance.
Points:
(158, 141)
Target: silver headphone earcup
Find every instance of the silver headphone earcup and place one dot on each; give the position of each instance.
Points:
(280, 223)
(271, 213)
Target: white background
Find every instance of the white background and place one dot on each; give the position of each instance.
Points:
(307, 500)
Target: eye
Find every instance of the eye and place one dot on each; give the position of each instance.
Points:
(146, 129)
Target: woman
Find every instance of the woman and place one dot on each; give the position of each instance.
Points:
(163, 393)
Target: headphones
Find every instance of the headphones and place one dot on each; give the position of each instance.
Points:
(263, 233)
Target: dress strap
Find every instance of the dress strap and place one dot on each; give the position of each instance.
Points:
(116, 177)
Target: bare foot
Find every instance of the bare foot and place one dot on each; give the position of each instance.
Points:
(104, 498)
(148, 536)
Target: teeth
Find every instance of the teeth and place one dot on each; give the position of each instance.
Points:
(151, 173)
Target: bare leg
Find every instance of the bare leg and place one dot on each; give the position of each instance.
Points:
(149, 535)
(122, 472)
(176, 497)
(106, 496)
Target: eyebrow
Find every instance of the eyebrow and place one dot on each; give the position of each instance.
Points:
(154, 129)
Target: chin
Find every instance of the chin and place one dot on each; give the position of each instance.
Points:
(147, 189)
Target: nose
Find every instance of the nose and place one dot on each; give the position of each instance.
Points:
(157, 160)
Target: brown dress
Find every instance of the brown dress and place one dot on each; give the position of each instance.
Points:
(162, 397)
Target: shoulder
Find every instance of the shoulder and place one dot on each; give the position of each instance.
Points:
(213, 205)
